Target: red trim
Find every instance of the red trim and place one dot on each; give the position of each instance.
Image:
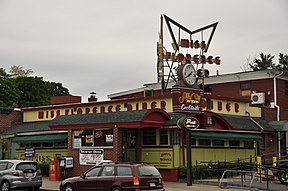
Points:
(226, 98)
(123, 100)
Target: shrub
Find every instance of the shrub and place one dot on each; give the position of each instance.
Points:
(44, 167)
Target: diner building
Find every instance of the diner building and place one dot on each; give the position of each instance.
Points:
(147, 128)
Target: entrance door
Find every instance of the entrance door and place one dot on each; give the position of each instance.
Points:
(129, 140)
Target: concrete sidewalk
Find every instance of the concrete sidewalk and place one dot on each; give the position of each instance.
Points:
(169, 186)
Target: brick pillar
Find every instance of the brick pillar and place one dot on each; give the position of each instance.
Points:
(117, 143)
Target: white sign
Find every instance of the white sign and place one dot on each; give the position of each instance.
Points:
(91, 156)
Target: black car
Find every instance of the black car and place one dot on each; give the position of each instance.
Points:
(116, 177)
(281, 170)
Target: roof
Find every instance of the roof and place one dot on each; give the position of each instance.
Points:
(247, 123)
(156, 117)
(279, 125)
(27, 127)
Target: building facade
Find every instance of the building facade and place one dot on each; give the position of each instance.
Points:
(144, 129)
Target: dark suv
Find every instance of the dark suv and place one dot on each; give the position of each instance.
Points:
(281, 170)
(116, 177)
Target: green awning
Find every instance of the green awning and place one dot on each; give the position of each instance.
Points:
(226, 135)
(41, 138)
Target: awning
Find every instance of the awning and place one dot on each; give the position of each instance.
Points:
(41, 138)
(226, 135)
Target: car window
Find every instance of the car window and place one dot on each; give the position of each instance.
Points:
(148, 171)
(3, 165)
(124, 171)
(93, 172)
(27, 166)
(108, 171)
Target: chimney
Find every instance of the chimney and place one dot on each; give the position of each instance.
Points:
(92, 97)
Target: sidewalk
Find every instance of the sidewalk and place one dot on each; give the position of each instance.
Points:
(169, 186)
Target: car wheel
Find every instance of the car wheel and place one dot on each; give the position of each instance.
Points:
(117, 189)
(68, 187)
(5, 186)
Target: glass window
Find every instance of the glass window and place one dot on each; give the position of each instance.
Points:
(108, 171)
(93, 172)
(249, 144)
(164, 137)
(93, 138)
(245, 86)
(124, 171)
(149, 137)
(148, 171)
(60, 144)
(218, 143)
(50, 144)
(204, 142)
(234, 143)
(193, 142)
(36, 145)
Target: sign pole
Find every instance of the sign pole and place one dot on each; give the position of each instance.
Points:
(189, 157)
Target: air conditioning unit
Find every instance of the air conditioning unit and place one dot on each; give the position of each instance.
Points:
(258, 98)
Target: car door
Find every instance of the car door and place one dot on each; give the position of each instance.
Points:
(88, 180)
(106, 178)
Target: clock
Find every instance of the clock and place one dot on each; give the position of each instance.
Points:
(187, 74)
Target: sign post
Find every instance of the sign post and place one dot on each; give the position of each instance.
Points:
(188, 123)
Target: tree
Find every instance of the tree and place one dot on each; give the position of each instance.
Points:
(265, 62)
(283, 62)
(18, 71)
(24, 91)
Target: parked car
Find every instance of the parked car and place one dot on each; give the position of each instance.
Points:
(116, 177)
(16, 174)
(281, 170)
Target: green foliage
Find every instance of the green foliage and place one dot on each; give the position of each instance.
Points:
(266, 61)
(18, 71)
(24, 91)
(44, 167)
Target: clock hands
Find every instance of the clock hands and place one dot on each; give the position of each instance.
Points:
(188, 75)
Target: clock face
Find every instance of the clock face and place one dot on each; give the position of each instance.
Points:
(189, 74)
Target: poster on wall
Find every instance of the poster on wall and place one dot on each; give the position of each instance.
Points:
(91, 156)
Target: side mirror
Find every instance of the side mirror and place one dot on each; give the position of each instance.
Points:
(82, 176)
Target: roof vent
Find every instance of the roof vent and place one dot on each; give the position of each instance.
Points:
(92, 97)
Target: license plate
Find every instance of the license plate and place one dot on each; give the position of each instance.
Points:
(29, 174)
(152, 184)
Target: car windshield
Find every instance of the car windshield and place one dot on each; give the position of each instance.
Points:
(148, 171)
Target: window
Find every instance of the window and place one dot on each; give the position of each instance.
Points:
(164, 137)
(204, 142)
(249, 144)
(50, 144)
(124, 171)
(108, 171)
(245, 86)
(93, 172)
(149, 137)
(218, 143)
(234, 143)
(92, 138)
(148, 93)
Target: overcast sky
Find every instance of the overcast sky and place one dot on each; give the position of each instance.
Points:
(110, 46)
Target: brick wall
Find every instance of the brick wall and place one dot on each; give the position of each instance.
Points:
(109, 153)
(10, 119)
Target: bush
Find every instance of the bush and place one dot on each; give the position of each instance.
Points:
(44, 167)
